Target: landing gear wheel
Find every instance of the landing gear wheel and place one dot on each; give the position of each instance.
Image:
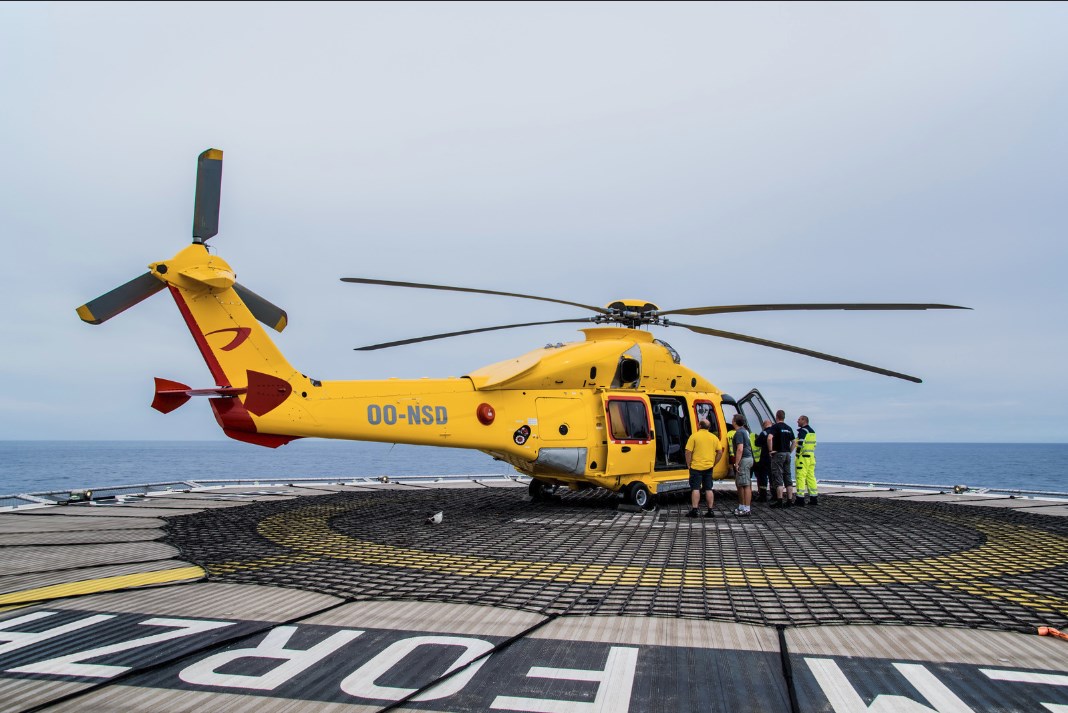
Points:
(638, 494)
(539, 490)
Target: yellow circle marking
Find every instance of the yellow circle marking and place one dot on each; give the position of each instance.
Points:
(1009, 550)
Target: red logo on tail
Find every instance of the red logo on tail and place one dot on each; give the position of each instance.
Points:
(241, 334)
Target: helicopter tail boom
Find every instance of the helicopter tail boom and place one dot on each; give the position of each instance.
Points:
(242, 358)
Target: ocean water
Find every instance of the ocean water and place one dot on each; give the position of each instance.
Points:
(36, 466)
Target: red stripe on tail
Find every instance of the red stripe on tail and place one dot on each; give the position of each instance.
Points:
(198, 336)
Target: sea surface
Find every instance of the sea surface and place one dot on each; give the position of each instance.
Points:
(38, 466)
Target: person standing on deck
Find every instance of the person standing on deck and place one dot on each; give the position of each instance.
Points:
(805, 462)
(702, 454)
(730, 447)
(743, 465)
(762, 466)
(781, 445)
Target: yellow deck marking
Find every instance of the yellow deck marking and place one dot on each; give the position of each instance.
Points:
(1030, 600)
(1008, 551)
(103, 584)
(15, 606)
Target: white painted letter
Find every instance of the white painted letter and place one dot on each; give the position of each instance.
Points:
(19, 639)
(69, 666)
(361, 682)
(1049, 679)
(845, 699)
(614, 685)
(273, 646)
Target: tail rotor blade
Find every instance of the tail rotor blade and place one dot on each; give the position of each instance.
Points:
(209, 190)
(120, 299)
(262, 309)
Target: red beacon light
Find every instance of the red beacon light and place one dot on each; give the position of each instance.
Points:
(485, 414)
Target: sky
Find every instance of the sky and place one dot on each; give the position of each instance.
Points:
(687, 154)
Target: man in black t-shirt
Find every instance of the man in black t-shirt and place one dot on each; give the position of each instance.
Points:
(780, 444)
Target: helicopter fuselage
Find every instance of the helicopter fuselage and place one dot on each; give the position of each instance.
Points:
(609, 411)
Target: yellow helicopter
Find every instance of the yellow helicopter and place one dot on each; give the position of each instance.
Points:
(612, 411)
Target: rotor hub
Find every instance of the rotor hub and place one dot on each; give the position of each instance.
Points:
(631, 313)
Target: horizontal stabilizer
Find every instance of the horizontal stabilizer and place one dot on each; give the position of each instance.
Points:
(172, 394)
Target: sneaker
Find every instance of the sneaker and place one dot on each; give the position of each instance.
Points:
(692, 513)
(709, 513)
(744, 513)
(737, 511)
(814, 500)
(800, 502)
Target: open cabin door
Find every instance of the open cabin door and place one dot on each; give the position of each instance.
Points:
(671, 425)
(629, 432)
(756, 410)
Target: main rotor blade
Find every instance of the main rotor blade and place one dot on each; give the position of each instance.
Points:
(120, 299)
(392, 283)
(795, 350)
(386, 345)
(262, 309)
(724, 309)
(209, 190)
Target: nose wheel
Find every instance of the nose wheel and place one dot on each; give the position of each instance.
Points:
(638, 494)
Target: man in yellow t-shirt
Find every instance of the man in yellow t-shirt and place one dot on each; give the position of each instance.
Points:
(702, 454)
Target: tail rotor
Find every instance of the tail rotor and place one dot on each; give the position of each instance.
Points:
(205, 226)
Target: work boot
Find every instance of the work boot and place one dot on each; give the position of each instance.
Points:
(692, 513)
(799, 501)
(709, 513)
(814, 500)
(762, 496)
(776, 503)
(787, 503)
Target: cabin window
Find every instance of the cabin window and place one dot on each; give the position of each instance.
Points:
(628, 420)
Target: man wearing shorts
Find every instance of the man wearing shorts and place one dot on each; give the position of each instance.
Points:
(702, 454)
(781, 445)
(743, 466)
